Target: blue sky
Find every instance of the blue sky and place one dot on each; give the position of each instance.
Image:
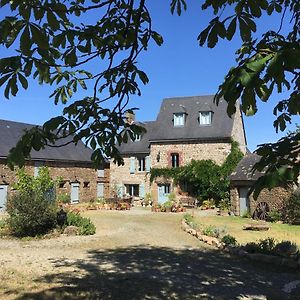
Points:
(178, 68)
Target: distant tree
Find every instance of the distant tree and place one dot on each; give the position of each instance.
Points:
(55, 47)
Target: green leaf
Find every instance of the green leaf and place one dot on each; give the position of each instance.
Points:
(25, 42)
(71, 58)
(23, 81)
(52, 21)
(157, 38)
(39, 37)
(231, 29)
(4, 78)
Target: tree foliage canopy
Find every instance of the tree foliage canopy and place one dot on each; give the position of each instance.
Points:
(55, 47)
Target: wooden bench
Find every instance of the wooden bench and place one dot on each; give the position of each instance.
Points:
(188, 202)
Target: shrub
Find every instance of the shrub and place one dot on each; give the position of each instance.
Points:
(172, 197)
(85, 225)
(188, 218)
(292, 209)
(252, 247)
(274, 216)
(63, 198)
(224, 204)
(286, 248)
(212, 231)
(3, 223)
(267, 245)
(229, 240)
(30, 214)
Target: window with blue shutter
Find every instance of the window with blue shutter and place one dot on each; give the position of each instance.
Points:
(142, 191)
(120, 190)
(132, 165)
(148, 163)
(37, 166)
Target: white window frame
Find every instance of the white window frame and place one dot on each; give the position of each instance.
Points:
(142, 164)
(205, 118)
(176, 160)
(138, 137)
(100, 172)
(178, 119)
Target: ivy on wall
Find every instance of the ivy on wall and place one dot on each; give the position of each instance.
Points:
(204, 178)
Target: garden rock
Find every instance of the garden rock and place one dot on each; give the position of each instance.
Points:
(257, 227)
(71, 230)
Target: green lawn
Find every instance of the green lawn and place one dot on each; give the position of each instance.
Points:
(234, 226)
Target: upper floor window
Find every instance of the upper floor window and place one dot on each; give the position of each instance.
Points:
(100, 172)
(175, 160)
(178, 119)
(205, 117)
(142, 164)
(138, 137)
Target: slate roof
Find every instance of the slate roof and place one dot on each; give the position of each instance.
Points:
(141, 146)
(220, 128)
(243, 172)
(10, 132)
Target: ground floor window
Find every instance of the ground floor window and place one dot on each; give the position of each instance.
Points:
(132, 189)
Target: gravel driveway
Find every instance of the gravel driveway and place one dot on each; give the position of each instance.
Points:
(135, 255)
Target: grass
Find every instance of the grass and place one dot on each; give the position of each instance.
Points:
(234, 227)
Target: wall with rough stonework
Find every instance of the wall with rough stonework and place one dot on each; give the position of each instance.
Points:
(68, 172)
(120, 175)
(238, 131)
(275, 198)
(217, 151)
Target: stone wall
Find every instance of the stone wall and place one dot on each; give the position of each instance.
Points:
(216, 151)
(68, 172)
(275, 198)
(120, 175)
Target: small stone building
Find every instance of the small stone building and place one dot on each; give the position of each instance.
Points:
(186, 128)
(242, 200)
(72, 164)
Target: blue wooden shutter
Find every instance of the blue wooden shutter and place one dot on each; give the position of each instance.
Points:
(148, 163)
(132, 165)
(120, 190)
(142, 191)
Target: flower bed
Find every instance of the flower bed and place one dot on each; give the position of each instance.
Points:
(283, 253)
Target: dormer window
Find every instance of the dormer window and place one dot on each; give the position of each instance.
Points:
(205, 117)
(178, 119)
(138, 137)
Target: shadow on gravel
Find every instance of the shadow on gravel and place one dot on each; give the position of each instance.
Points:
(162, 273)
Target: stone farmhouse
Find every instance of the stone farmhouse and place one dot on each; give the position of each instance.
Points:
(70, 163)
(242, 201)
(186, 128)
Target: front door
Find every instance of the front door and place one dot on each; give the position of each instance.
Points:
(74, 192)
(3, 196)
(163, 193)
(244, 200)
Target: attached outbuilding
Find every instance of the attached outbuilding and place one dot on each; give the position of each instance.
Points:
(242, 201)
(71, 163)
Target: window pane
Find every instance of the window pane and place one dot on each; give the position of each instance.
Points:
(175, 160)
(205, 118)
(178, 119)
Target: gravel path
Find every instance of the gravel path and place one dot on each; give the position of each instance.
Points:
(134, 255)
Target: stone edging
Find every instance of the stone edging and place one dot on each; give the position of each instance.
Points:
(270, 259)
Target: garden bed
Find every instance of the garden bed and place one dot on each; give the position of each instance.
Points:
(285, 254)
